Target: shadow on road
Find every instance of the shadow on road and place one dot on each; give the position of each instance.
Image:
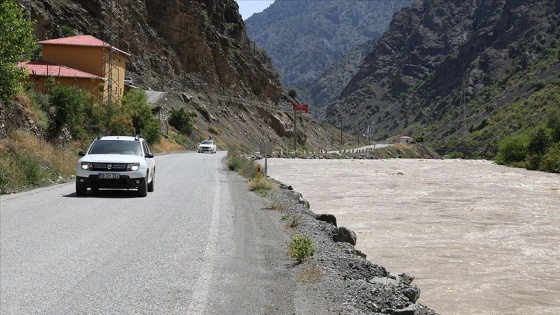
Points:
(107, 193)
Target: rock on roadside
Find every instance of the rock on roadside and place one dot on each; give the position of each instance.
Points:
(345, 276)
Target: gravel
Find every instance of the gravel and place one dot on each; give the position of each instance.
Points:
(339, 271)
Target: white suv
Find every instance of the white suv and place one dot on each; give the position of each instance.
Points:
(207, 146)
(116, 162)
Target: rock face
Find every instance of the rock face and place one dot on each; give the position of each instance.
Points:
(443, 67)
(304, 38)
(327, 88)
(197, 50)
(175, 44)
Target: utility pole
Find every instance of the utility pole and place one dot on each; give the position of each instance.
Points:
(463, 107)
(340, 127)
(295, 131)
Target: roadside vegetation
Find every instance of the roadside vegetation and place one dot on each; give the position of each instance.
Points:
(238, 161)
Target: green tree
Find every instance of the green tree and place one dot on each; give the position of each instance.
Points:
(550, 162)
(553, 123)
(292, 93)
(539, 143)
(182, 121)
(513, 149)
(69, 105)
(135, 105)
(16, 44)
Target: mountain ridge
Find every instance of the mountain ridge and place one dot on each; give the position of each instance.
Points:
(305, 38)
(443, 68)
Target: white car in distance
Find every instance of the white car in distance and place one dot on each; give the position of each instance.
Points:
(207, 146)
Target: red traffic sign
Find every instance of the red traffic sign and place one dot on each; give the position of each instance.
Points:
(301, 108)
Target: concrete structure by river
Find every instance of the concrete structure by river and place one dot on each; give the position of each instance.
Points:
(480, 238)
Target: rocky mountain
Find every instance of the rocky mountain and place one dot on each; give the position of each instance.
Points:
(327, 88)
(459, 73)
(304, 38)
(199, 51)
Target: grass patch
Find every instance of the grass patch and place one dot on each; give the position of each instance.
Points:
(261, 186)
(175, 143)
(214, 130)
(29, 162)
(237, 161)
(294, 221)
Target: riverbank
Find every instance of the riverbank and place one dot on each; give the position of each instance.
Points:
(339, 271)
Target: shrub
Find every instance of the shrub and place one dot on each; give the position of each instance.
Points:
(539, 142)
(292, 93)
(553, 123)
(236, 160)
(513, 149)
(182, 121)
(239, 163)
(31, 167)
(302, 248)
(121, 125)
(550, 162)
(68, 31)
(135, 105)
(69, 108)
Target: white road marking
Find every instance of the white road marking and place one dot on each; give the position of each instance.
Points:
(200, 294)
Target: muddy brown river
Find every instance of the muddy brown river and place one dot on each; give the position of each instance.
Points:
(479, 238)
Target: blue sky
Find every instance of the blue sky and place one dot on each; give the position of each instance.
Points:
(248, 7)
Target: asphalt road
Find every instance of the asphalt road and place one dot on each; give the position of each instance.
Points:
(199, 244)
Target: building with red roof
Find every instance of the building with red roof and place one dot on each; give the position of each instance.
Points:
(40, 71)
(81, 61)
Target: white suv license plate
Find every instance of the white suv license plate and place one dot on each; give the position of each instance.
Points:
(108, 176)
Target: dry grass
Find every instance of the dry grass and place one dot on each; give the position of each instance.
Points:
(166, 145)
(310, 273)
(28, 161)
(62, 160)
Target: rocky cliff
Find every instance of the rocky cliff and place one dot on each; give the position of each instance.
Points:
(456, 72)
(198, 44)
(199, 51)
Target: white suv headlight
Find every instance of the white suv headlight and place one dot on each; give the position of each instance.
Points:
(87, 166)
(133, 167)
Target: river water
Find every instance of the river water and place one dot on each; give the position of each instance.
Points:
(479, 238)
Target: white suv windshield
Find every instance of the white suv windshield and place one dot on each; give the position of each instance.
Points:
(116, 147)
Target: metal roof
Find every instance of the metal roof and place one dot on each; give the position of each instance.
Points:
(47, 69)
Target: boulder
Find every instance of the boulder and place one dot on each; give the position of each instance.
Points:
(345, 235)
(412, 293)
(329, 218)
